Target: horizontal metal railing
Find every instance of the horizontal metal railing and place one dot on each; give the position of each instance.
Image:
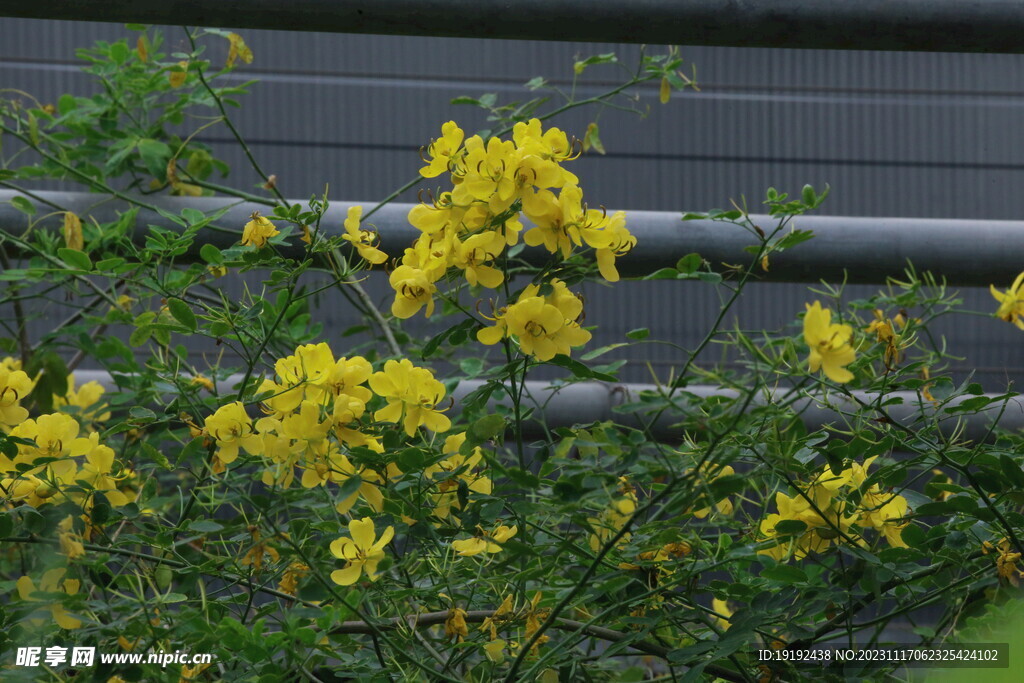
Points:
(928, 25)
(854, 249)
(565, 405)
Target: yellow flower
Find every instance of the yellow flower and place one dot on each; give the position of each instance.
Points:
(544, 325)
(723, 506)
(53, 581)
(449, 473)
(413, 291)
(485, 541)
(613, 518)
(257, 231)
(85, 397)
(829, 343)
(1006, 561)
(722, 618)
(15, 386)
(622, 243)
(231, 427)
(412, 394)
(443, 151)
(362, 552)
(473, 255)
(70, 541)
(1011, 302)
(96, 472)
(362, 240)
(204, 382)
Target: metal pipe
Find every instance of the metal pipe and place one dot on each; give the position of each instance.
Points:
(583, 403)
(928, 25)
(857, 249)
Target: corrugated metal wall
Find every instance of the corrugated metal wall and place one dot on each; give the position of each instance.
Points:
(930, 135)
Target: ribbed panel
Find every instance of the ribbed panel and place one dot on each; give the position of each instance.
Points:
(898, 134)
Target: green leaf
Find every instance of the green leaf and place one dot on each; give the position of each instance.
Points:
(211, 254)
(109, 264)
(78, 260)
(182, 312)
(639, 333)
(914, 536)
(140, 335)
(23, 205)
(689, 263)
(785, 573)
(592, 139)
(487, 427)
(155, 155)
(790, 527)
(204, 526)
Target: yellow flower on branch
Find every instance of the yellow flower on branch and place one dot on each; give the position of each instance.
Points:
(52, 581)
(413, 396)
(362, 552)
(485, 541)
(443, 151)
(1011, 302)
(829, 342)
(15, 386)
(362, 240)
(413, 291)
(232, 429)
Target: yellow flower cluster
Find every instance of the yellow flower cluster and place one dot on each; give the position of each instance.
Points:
(470, 227)
(830, 517)
(315, 411)
(613, 517)
(53, 463)
(544, 325)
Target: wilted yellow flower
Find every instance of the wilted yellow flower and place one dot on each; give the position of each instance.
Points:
(455, 625)
(177, 75)
(830, 344)
(73, 238)
(258, 230)
(290, 580)
(237, 51)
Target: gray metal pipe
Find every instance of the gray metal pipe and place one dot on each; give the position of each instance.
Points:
(857, 249)
(587, 402)
(928, 25)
